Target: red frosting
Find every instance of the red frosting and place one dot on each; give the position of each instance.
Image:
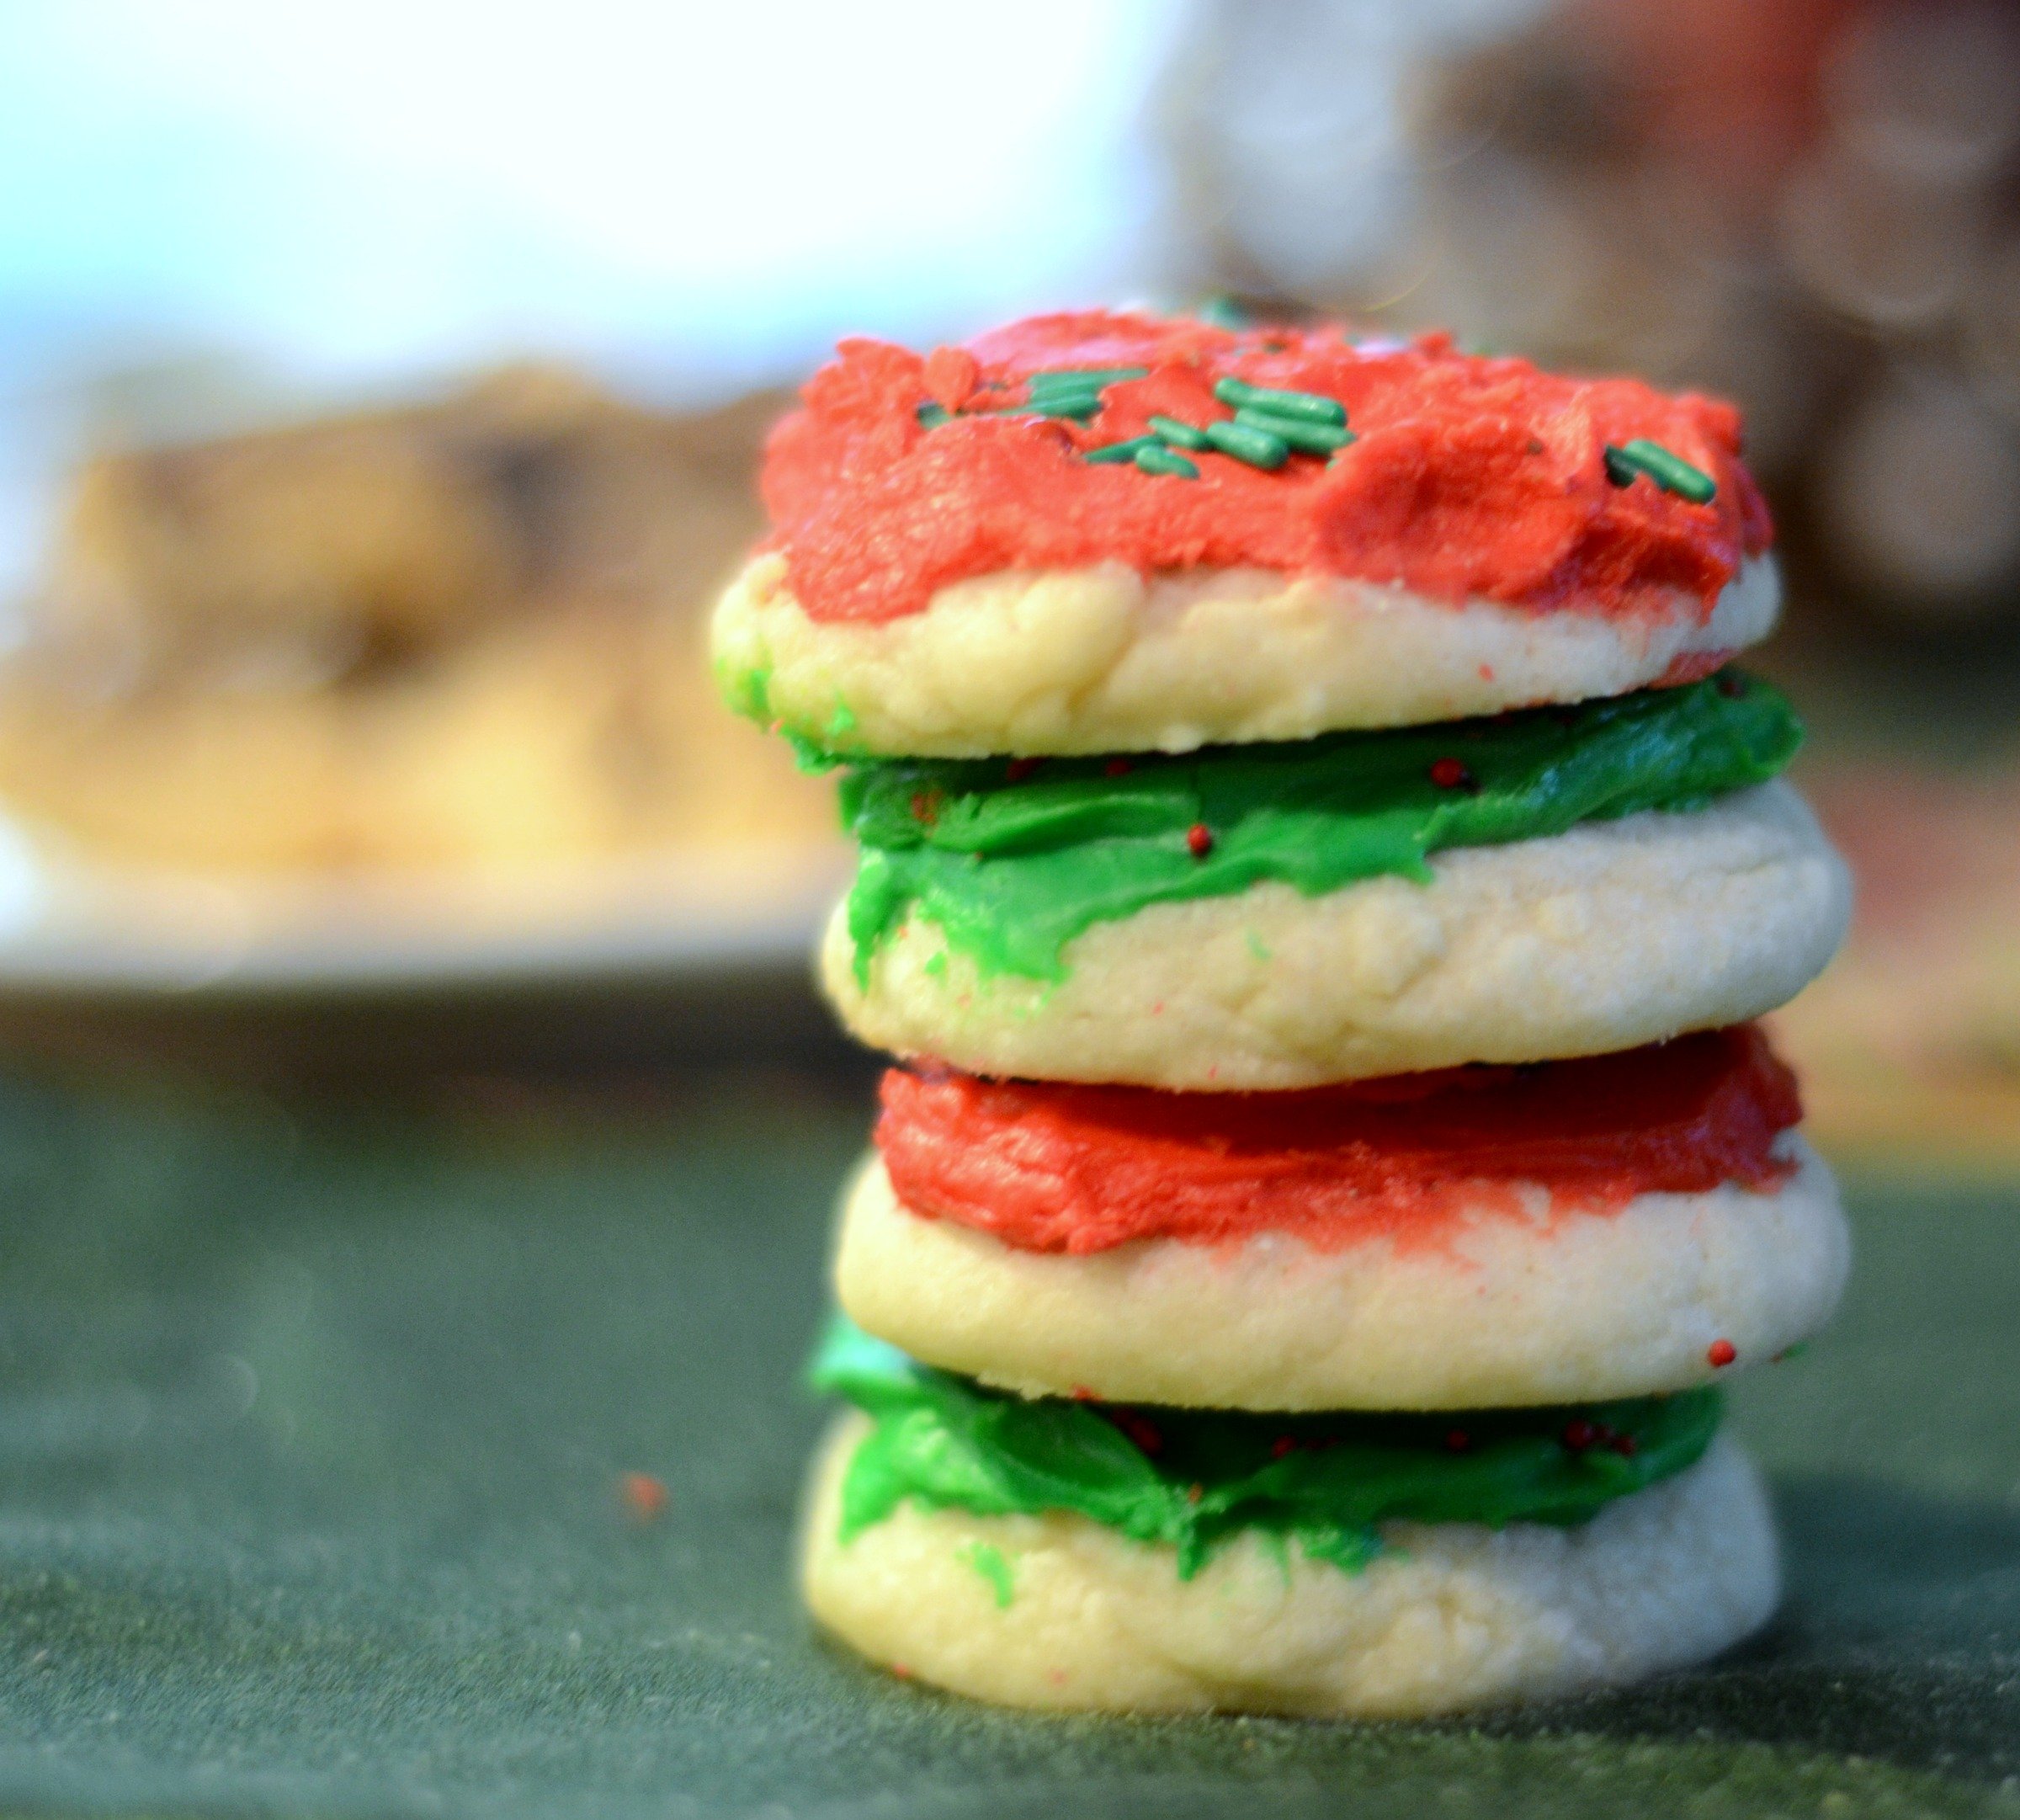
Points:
(1470, 476)
(1049, 1166)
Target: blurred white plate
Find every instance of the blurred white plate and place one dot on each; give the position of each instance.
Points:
(72, 925)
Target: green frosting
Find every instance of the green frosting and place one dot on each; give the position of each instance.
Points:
(1325, 1482)
(747, 691)
(1014, 859)
(989, 1562)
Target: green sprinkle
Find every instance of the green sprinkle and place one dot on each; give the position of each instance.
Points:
(1224, 313)
(936, 965)
(1181, 435)
(1070, 394)
(1259, 948)
(1094, 376)
(1120, 451)
(1258, 447)
(987, 1560)
(1307, 406)
(1307, 438)
(1671, 472)
(931, 416)
(841, 723)
(1062, 404)
(1158, 459)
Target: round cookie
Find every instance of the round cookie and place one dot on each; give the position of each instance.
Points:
(1106, 659)
(999, 548)
(1458, 1615)
(1611, 935)
(1580, 1307)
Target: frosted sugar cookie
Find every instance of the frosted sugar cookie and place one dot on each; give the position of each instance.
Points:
(1554, 883)
(1096, 532)
(1075, 1556)
(1607, 1227)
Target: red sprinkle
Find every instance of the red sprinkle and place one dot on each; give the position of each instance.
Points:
(1721, 1352)
(1199, 840)
(1457, 1440)
(1580, 1434)
(902, 1670)
(926, 806)
(1281, 1446)
(1141, 1429)
(1625, 1445)
(1193, 1493)
(1082, 1394)
(1020, 769)
(644, 1496)
(1730, 685)
(1451, 774)
(1118, 768)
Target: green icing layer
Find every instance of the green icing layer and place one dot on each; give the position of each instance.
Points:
(1325, 1482)
(1014, 859)
(748, 692)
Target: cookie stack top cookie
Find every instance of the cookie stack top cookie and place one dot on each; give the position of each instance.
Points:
(1303, 797)
(1096, 533)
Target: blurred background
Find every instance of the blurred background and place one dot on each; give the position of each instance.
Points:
(381, 387)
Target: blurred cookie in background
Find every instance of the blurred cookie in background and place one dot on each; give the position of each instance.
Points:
(454, 637)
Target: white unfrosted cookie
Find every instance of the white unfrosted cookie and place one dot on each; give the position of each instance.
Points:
(1459, 1616)
(1611, 935)
(1107, 659)
(1577, 1308)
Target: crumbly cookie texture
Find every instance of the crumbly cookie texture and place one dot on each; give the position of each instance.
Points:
(1457, 1617)
(1611, 935)
(1572, 1307)
(1106, 659)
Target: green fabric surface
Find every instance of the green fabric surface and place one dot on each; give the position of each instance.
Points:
(313, 1428)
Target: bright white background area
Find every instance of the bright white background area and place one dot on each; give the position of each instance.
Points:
(385, 184)
(204, 203)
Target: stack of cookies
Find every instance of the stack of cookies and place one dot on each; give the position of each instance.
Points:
(1318, 871)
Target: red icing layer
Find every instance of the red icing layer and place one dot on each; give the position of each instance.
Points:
(1471, 476)
(1047, 1167)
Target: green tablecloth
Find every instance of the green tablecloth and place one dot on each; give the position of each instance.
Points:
(312, 1429)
